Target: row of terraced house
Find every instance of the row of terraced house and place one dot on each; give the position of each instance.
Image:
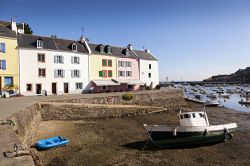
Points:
(36, 65)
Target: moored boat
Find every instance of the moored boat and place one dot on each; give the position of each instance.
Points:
(51, 142)
(194, 129)
(244, 102)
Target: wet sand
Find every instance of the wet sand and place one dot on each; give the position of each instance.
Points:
(120, 141)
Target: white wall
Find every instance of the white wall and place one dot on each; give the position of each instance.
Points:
(29, 71)
(144, 70)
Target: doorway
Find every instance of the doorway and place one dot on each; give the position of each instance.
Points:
(66, 87)
(54, 88)
(38, 89)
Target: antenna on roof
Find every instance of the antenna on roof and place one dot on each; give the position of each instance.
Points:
(82, 30)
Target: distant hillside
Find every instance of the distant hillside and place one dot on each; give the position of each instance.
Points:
(240, 76)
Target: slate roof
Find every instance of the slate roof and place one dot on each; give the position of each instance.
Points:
(6, 31)
(121, 52)
(30, 41)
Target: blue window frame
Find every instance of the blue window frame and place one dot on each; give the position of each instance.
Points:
(2, 47)
(3, 64)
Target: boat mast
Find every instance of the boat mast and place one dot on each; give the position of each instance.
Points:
(205, 113)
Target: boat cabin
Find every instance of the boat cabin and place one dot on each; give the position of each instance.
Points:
(193, 119)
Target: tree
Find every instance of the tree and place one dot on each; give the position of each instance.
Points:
(27, 29)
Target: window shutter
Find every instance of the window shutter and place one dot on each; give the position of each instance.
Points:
(62, 59)
(3, 65)
(55, 59)
(72, 59)
(79, 73)
(55, 73)
(100, 73)
(72, 73)
(109, 62)
(63, 73)
(110, 73)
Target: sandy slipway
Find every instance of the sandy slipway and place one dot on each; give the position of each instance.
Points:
(119, 141)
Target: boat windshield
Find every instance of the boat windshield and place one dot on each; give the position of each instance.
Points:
(187, 116)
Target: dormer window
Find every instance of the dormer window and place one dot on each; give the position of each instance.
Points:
(74, 47)
(39, 43)
(101, 49)
(127, 52)
(109, 50)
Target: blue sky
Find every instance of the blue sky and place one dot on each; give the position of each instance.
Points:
(192, 39)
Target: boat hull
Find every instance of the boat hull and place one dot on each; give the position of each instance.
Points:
(163, 136)
(51, 143)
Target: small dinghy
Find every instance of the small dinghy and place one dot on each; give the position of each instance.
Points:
(194, 129)
(51, 142)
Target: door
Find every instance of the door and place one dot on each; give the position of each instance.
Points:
(66, 87)
(38, 88)
(54, 88)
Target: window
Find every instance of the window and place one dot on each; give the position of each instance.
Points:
(104, 87)
(187, 116)
(74, 47)
(39, 44)
(149, 66)
(121, 73)
(104, 62)
(110, 73)
(193, 115)
(75, 60)
(128, 64)
(40, 57)
(75, 73)
(129, 73)
(3, 64)
(104, 73)
(78, 85)
(100, 73)
(58, 59)
(110, 63)
(41, 72)
(109, 50)
(201, 115)
(181, 116)
(2, 47)
(29, 87)
(8, 81)
(101, 48)
(149, 75)
(59, 73)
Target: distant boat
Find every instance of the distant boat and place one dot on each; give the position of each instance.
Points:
(197, 96)
(194, 100)
(51, 142)
(244, 102)
(194, 129)
(212, 95)
(224, 95)
(212, 104)
(245, 93)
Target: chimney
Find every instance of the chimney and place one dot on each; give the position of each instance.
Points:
(147, 51)
(21, 31)
(13, 25)
(130, 47)
(85, 41)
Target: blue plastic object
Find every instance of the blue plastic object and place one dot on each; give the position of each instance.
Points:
(51, 142)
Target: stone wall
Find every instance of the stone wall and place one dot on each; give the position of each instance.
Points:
(172, 100)
(70, 111)
(26, 122)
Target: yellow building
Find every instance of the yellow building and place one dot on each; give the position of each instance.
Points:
(9, 68)
(102, 65)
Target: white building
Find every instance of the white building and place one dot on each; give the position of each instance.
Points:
(148, 66)
(52, 66)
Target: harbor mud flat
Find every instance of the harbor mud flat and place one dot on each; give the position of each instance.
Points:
(122, 141)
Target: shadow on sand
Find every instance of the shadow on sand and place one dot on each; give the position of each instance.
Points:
(149, 146)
